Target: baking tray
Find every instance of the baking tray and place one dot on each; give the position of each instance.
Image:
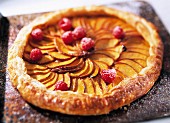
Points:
(156, 104)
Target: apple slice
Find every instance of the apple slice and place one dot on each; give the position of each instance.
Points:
(46, 59)
(103, 44)
(67, 79)
(132, 55)
(74, 85)
(61, 47)
(59, 64)
(31, 72)
(140, 62)
(69, 68)
(126, 69)
(136, 42)
(138, 50)
(88, 86)
(59, 56)
(81, 71)
(36, 45)
(52, 82)
(76, 22)
(30, 66)
(137, 67)
(50, 78)
(103, 58)
(41, 77)
(95, 71)
(89, 70)
(104, 86)
(97, 89)
(80, 86)
(101, 65)
(109, 52)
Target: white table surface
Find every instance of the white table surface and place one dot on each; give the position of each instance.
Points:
(17, 7)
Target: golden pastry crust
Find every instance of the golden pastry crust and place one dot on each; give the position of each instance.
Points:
(74, 103)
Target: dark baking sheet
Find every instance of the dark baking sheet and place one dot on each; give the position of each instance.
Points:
(156, 104)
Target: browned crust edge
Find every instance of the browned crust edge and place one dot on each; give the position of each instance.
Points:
(84, 104)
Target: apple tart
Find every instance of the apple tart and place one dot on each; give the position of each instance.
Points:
(86, 60)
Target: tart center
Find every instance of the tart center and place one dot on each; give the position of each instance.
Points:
(78, 61)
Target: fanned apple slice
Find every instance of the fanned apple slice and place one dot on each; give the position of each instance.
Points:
(111, 53)
(34, 66)
(31, 72)
(74, 66)
(95, 71)
(67, 79)
(103, 58)
(140, 62)
(74, 85)
(81, 71)
(67, 68)
(138, 50)
(103, 35)
(98, 90)
(84, 23)
(41, 77)
(136, 42)
(126, 69)
(58, 64)
(47, 50)
(52, 82)
(66, 49)
(89, 86)
(46, 59)
(35, 45)
(44, 43)
(103, 85)
(101, 65)
(132, 55)
(80, 86)
(137, 67)
(76, 22)
(90, 68)
(99, 23)
(59, 56)
(103, 44)
(49, 78)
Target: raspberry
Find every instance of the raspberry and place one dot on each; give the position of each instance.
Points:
(79, 33)
(37, 34)
(61, 85)
(35, 54)
(65, 24)
(87, 43)
(67, 37)
(118, 32)
(108, 75)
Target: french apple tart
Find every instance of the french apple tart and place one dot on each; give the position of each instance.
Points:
(86, 60)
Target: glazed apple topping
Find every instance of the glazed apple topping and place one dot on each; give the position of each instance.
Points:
(84, 55)
(65, 24)
(118, 32)
(35, 54)
(37, 34)
(87, 43)
(108, 75)
(61, 85)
